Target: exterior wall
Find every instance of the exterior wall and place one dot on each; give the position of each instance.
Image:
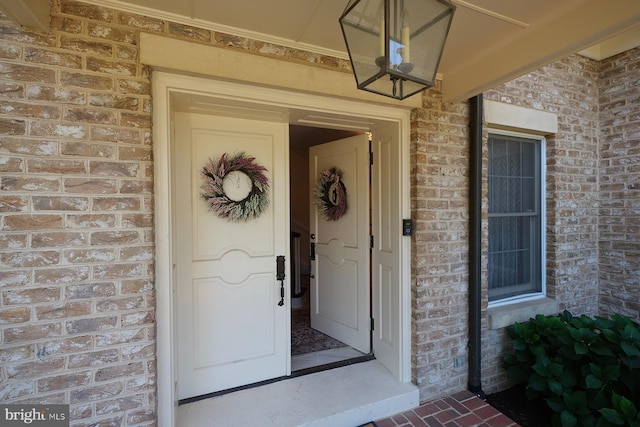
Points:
(76, 210)
(77, 307)
(440, 273)
(568, 88)
(620, 184)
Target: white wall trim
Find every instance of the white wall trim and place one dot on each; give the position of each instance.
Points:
(500, 115)
(166, 87)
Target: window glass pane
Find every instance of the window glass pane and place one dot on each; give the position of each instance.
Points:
(514, 221)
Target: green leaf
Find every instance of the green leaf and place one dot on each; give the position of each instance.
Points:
(537, 383)
(568, 419)
(554, 369)
(580, 348)
(627, 408)
(611, 372)
(593, 382)
(540, 368)
(629, 348)
(612, 416)
(555, 387)
(519, 345)
(631, 333)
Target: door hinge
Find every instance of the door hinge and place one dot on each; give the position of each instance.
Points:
(371, 241)
(372, 324)
(370, 157)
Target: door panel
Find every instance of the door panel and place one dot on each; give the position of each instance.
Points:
(386, 190)
(340, 293)
(230, 329)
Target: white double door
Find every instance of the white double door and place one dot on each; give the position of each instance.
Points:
(230, 328)
(340, 281)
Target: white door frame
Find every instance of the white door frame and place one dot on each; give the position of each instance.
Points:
(173, 91)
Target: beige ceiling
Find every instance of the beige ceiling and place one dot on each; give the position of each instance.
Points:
(490, 41)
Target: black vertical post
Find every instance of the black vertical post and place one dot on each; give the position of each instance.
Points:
(475, 246)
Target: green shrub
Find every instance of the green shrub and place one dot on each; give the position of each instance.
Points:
(586, 369)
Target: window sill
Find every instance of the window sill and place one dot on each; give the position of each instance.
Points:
(508, 314)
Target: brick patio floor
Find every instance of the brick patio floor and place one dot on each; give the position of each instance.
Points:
(462, 409)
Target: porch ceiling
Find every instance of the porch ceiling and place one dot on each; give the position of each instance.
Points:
(490, 41)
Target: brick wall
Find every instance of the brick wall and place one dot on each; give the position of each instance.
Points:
(439, 270)
(76, 197)
(620, 184)
(568, 88)
(76, 210)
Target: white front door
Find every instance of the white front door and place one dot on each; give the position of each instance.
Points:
(340, 291)
(230, 328)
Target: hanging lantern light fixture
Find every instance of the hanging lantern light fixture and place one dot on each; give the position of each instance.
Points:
(395, 45)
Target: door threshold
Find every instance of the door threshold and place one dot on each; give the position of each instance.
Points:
(342, 397)
(294, 374)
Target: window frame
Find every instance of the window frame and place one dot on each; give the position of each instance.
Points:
(541, 186)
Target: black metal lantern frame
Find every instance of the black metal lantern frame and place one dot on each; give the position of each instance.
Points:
(395, 46)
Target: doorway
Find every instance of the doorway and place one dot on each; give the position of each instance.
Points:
(311, 348)
(390, 268)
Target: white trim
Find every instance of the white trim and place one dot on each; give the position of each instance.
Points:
(168, 86)
(543, 220)
(213, 26)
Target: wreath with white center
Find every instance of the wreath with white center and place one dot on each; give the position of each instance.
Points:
(331, 194)
(235, 187)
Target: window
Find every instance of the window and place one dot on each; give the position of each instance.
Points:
(516, 214)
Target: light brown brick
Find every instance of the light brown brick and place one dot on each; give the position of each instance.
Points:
(21, 146)
(57, 166)
(13, 241)
(64, 346)
(13, 203)
(84, 45)
(119, 371)
(119, 336)
(82, 256)
(115, 135)
(56, 94)
(113, 168)
(93, 324)
(14, 315)
(30, 258)
(48, 57)
(111, 67)
(31, 296)
(11, 164)
(14, 278)
(12, 126)
(113, 271)
(90, 186)
(116, 204)
(10, 354)
(89, 81)
(94, 358)
(90, 290)
(89, 115)
(87, 221)
(25, 333)
(114, 237)
(63, 310)
(99, 392)
(60, 203)
(30, 184)
(61, 274)
(63, 382)
(122, 304)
